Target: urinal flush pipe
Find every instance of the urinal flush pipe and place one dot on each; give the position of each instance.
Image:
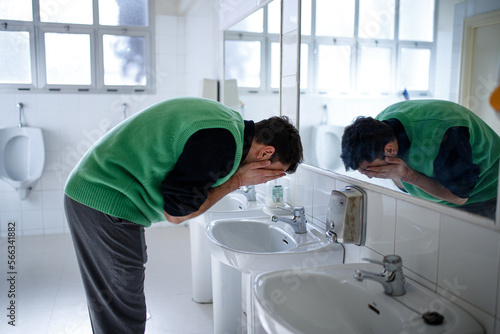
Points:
(324, 116)
(20, 109)
(124, 107)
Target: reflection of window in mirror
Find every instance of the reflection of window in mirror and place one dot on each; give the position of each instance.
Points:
(361, 56)
(252, 58)
(361, 50)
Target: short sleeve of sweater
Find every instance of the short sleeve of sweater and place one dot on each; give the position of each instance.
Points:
(207, 156)
(454, 167)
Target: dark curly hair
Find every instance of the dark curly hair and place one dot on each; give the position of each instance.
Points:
(364, 140)
(280, 133)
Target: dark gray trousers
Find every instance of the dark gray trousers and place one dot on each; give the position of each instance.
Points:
(111, 254)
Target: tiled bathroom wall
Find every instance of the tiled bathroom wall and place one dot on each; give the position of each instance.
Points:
(454, 258)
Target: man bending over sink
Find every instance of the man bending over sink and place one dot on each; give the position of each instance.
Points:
(172, 161)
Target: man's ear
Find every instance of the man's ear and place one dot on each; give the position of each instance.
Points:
(390, 150)
(265, 153)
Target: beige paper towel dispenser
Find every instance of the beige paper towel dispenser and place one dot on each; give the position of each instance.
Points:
(346, 221)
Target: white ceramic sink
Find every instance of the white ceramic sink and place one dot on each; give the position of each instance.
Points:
(329, 300)
(242, 248)
(233, 205)
(254, 245)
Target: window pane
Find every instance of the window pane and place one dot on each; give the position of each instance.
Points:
(335, 18)
(304, 65)
(306, 17)
(74, 11)
(15, 57)
(414, 69)
(123, 12)
(16, 10)
(252, 23)
(334, 64)
(274, 17)
(416, 20)
(376, 19)
(242, 62)
(375, 69)
(67, 58)
(124, 60)
(275, 65)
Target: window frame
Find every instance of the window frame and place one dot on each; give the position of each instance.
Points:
(37, 30)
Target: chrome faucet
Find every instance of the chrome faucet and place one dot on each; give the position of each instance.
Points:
(391, 277)
(298, 221)
(249, 192)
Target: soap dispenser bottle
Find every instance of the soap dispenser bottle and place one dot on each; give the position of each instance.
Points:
(275, 194)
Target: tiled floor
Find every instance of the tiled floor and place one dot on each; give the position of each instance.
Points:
(49, 293)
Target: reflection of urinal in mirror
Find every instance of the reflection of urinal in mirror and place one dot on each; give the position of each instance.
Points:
(326, 143)
(22, 156)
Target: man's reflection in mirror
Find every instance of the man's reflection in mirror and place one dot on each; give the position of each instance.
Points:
(432, 149)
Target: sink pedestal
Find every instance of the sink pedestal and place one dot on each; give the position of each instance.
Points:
(228, 289)
(200, 260)
(227, 298)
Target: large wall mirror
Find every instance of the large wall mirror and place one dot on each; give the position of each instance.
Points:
(356, 58)
(252, 63)
(360, 56)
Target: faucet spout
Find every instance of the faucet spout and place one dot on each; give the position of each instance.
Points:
(249, 192)
(298, 221)
(391, 277)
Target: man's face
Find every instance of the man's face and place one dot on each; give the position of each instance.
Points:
(278, 165)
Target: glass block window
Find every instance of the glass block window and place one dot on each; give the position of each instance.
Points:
(242, 62)
(334, 68)
(414, 69)
(376, 19)
(124, 60)
(335, 18)
(15, 57)
(74, 11)
(375, 69)
(77, 45)
(20, 10)
(124, 12)
(416, 14)
(67, 59)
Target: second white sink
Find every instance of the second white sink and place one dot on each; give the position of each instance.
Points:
(329, 300)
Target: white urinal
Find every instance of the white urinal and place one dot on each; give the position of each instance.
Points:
(326, 143)
(22, 156)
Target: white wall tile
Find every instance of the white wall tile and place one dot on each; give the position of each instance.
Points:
(303, 191)
(417, 239)
(323, 186)
(381, 224)
(469, 258)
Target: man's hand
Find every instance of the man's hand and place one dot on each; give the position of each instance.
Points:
(395, 169)
(259, 172)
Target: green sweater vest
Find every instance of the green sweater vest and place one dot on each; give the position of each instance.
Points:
(426, 122)
(121, 174)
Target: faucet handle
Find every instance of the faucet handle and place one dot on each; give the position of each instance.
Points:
(296, 210)
(390, 262)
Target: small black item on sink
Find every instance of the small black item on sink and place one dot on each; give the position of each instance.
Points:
(433, 318)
